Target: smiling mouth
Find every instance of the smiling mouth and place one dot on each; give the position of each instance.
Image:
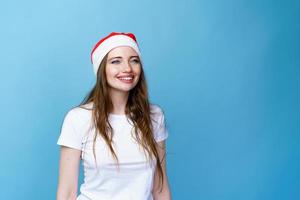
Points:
(126, 79)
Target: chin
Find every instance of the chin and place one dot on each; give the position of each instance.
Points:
(126, 89)
(122, 89)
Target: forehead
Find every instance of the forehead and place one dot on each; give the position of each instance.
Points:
(122, 51)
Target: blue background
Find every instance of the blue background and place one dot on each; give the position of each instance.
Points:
(226, 74)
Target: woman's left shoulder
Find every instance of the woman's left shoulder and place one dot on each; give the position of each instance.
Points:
(156, 109)
(159, 124)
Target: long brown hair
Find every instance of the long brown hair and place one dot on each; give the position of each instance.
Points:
(137, 110)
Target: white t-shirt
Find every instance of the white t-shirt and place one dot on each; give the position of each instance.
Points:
(134, 179)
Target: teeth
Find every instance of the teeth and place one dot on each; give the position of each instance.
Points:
(126, 78)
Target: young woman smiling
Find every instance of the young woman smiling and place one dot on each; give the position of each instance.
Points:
(116, 132)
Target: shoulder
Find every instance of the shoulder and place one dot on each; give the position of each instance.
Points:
(156, 109)
(160, 131)
(80, 114)
(157, 113)
(76, 125)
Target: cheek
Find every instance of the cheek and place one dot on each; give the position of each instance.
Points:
(110, 72)
(138, 71)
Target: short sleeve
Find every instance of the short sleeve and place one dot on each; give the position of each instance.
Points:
(160, 130)
(70, 133)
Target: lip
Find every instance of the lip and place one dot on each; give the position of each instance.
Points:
(126, 81)
(131, 76)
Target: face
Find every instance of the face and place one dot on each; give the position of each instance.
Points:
(123, 69)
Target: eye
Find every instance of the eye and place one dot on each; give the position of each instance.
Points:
(115, 61)
(136, 60)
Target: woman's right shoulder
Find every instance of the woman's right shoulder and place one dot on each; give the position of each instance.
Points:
(82, 112)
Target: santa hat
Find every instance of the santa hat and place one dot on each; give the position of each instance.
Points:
(114, 39)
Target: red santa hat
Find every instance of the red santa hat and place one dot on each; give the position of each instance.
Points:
(114, 39)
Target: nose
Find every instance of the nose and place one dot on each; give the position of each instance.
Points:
(127, 67)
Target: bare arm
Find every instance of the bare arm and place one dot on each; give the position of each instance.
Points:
(68, 173)
(166, 193)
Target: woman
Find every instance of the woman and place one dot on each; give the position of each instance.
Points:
(115, 131)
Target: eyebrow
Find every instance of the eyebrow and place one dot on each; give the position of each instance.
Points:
(121, 57)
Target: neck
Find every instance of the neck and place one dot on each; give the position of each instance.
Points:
(119, 101)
